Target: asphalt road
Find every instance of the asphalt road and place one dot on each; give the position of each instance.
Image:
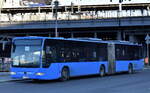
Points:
(120, 83)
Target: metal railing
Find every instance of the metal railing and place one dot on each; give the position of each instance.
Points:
(5, 64)
(30, 17)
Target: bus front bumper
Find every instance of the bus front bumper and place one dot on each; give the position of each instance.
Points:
(33, 74)
(28, 75)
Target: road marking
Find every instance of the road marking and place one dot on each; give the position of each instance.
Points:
(147, 68)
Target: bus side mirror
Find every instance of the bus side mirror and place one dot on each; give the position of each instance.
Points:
(13, 47)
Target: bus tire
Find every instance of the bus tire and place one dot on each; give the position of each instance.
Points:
(65, 74)
(130, 69)
(102, 71)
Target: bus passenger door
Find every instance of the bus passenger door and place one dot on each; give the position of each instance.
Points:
(111, 58)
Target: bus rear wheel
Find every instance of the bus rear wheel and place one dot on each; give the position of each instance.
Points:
(65, 74)
(130, 69)
(102, 71)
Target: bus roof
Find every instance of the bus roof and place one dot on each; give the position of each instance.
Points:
(94, 40)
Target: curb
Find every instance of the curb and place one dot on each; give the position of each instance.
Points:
(147, 67)
(5, 75)
(4, 81)
(9, 80)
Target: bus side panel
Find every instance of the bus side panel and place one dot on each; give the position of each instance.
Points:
(52, 72)
(123, 65)
(83, 68)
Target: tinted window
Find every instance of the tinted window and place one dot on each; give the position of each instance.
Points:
(73, 51)
(128, 52)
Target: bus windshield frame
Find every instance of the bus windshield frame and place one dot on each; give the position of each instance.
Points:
(26, 53)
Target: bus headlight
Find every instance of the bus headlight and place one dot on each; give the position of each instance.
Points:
(40, 74)
(13, 73)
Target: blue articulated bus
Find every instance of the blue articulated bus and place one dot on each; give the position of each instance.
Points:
(47, 58)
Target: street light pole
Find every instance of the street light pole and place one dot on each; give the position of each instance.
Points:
(148, 51)
(119, 16)
(147, 38)
(147, 42)
(56, 27)
(1, 6)
(56, 3)
(120, 7)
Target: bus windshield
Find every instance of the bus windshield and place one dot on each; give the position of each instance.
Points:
(26, 53)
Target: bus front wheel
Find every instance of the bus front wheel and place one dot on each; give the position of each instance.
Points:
(65, 74)
(102, 71)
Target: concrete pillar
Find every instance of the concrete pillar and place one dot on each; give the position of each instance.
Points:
(10, 17)
(119, 36)
(39, 10)
(0, 16)
(120, 9)
(123, 36)
(49, 35)
(72, 7)
(95, 35)
(27, 34)
(1, 6)
(148, 10)
(65, 9)
(132, 38)
(22, 16)
(72, 35)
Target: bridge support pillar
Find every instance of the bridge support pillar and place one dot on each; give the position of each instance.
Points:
(95, 35)
(72, 35)
(27, 34)
(119, 36)
(148, 10)
(132, 38)
(49, 35)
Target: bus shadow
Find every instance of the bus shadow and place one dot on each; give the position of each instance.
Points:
(72, 79)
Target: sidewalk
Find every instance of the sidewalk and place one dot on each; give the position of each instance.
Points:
(146, 67)
(5, 76)
(4, 73)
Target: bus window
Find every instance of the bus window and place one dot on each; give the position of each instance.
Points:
(102, 52)
(50, 53)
